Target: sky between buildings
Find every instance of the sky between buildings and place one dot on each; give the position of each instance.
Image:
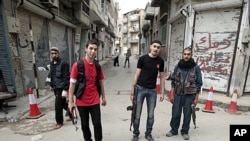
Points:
(128, 5)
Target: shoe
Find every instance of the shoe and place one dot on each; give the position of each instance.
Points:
(170, 134)
(135, 138)
(185, 136)
(149, 137)
(57, 126)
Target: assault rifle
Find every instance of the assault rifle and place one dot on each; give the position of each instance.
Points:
(132, 108)
(74, 117)
(194, 109)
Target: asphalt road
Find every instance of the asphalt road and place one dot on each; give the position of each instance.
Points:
(116, 119)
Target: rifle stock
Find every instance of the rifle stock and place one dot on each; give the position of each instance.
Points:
(74, 117)
(133, 113)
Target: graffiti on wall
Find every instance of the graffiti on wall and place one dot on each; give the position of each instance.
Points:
(213, 52)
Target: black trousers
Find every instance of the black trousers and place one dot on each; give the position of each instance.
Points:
(126, 60)
(116, 61)
(60, 104)
(95, 112)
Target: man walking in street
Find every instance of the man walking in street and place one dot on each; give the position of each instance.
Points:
(58, 79)
(186, 81)
(127, 55)
(89, 102)
(116, 58)
(144, 85)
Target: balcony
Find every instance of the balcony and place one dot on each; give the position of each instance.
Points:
(149, 12)
(96, 13)
(125, 20)
(135, 17)
(82, 14)
(134, 29)
(124, 30)
(134, 40)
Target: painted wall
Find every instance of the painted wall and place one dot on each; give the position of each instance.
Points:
(214, 45)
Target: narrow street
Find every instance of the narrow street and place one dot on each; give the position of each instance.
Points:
(116, 119)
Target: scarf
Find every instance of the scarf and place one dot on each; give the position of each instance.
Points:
(186, 64)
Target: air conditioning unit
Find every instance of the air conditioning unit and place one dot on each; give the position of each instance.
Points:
(51, 3)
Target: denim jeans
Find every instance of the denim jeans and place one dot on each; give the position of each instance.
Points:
(95, 112)
(181, 102)
(151, 97)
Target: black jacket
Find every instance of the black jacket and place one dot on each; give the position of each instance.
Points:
(58, 76)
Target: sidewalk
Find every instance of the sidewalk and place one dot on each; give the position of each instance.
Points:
(221, 100)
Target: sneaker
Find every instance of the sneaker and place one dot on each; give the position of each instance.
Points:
(185, 136)
(135, 138)
(149, 137)
(170, 134)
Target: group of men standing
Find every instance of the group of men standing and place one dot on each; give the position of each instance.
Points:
(186, 81)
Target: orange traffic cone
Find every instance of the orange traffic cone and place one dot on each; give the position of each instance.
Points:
(209, 103)
(34, 110)
(158, 87)
(233, 105)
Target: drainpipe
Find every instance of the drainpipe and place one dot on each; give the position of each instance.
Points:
(39, 11)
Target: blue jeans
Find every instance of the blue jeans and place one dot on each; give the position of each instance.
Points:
(181, 102)
(151, 97)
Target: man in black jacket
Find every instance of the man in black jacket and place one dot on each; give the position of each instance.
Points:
(58, 79)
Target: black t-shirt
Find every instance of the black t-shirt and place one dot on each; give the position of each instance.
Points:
(149, 70)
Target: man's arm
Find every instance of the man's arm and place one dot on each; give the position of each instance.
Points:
(162, 83)
(199, 83)
(71, 95)
(137, 73)
(104, 102)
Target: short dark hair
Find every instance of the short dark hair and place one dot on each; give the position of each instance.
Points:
(188, 49)
(92, 41)
(156, 41)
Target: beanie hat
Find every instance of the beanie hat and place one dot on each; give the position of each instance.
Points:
(54, 49)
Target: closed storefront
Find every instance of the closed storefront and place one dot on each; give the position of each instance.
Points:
(61, 37)
(214, 45)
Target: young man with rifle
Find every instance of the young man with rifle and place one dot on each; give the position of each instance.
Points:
(88, 103)
(144, 87)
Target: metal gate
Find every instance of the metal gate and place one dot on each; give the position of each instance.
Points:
(6, 64)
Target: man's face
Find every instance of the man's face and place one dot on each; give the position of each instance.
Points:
(187, 54)
(91, 51)
(155, 49)
(54, 55)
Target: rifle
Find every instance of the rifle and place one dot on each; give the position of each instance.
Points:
(133, 109)
(74, 117)
(194, 109)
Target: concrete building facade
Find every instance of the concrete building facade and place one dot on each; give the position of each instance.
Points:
(29, 28)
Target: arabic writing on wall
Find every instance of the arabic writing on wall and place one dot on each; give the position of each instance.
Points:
(214, 54)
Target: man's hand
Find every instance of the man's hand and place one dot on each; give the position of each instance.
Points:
(104, 102)
(64, 93)
(161, 97)
(71, 104)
